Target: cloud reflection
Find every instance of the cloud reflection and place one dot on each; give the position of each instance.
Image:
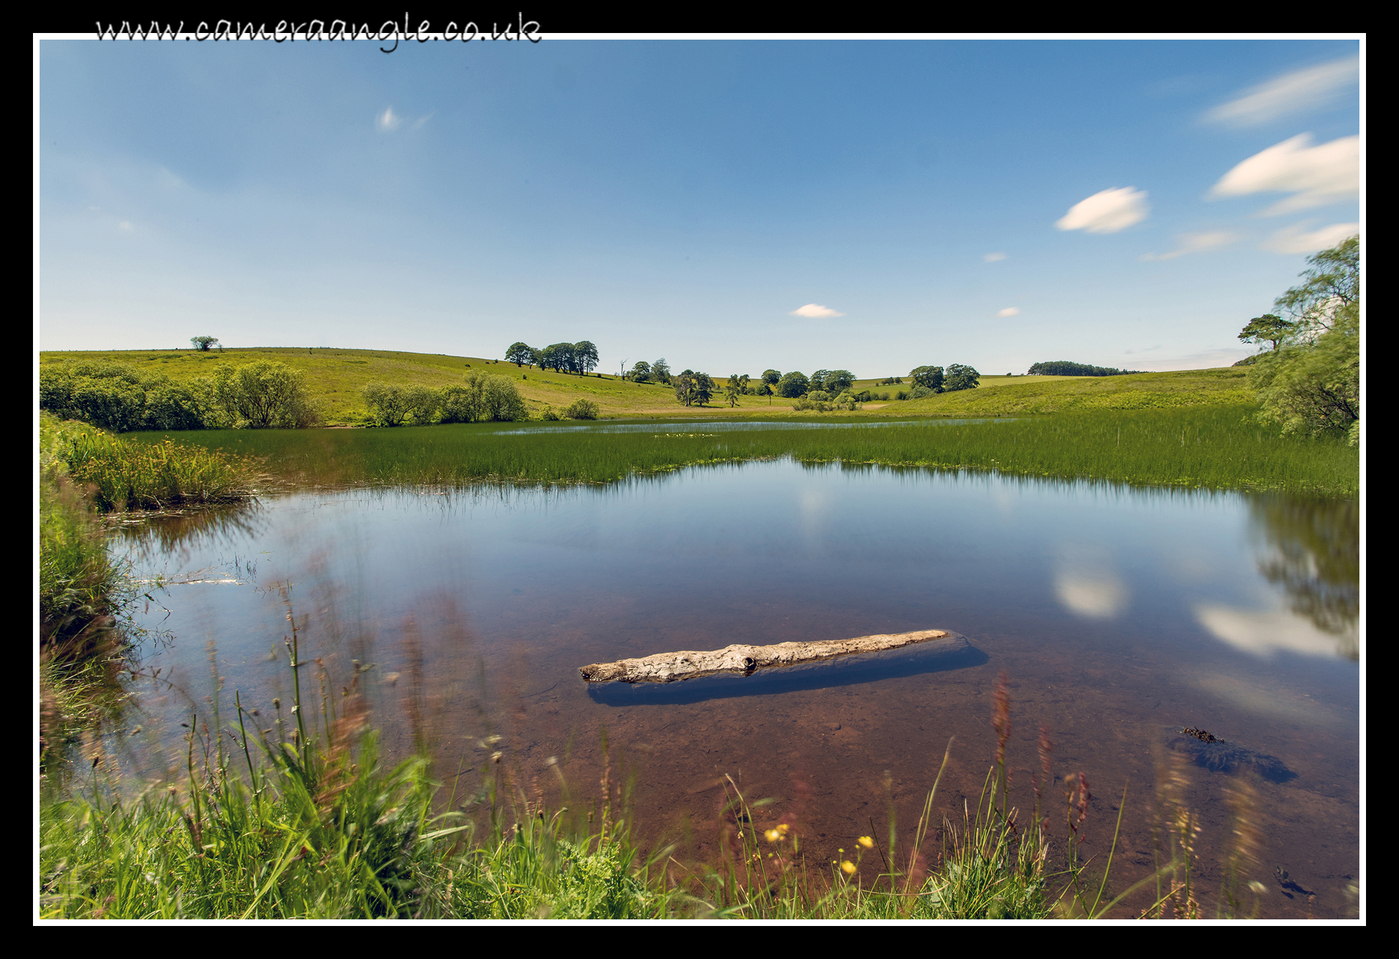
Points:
(1085, 582)
(1264, 632)
(1101, 596)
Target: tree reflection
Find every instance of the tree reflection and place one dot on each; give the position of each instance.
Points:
(1312, 550)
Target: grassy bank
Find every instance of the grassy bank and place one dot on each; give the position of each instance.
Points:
(1213, 446)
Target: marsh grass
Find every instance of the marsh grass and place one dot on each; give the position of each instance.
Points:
(1211, 447)
(123, 475)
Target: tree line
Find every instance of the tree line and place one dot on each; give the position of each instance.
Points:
(1067, 368)
(580, 358)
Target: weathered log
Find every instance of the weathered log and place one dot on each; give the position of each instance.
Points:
(745, 660)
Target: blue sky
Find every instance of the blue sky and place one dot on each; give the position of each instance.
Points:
(729, 205)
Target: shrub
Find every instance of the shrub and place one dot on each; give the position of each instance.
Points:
(582, 410)
(262, 395)
(117, 397)
(501, 400)
(388, 404)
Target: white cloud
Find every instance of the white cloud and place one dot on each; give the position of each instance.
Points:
(814, 311)
(1289, 93)
(1314, 175)
(1010, 311)
(1294, 240)
(993, 257)
(125, 225)
(387, 120)
(1192, 243)
(1106, 212)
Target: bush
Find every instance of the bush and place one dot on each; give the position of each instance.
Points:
(501, 400)
(117, 397)
(262, 395)
(582, 410)
(387, 404)
(919, 392)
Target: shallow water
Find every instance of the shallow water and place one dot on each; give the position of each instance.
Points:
(1114, 614)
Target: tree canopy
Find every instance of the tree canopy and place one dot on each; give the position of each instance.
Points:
(792, 385)
(928, 377)
(960, 377)
(1268, 328)
(520, 354)
(1332, 283)
(1310, 381)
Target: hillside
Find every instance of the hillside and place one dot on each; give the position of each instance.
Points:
(337, 377)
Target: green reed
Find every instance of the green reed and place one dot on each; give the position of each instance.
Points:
(151, 475)
(1213, 447)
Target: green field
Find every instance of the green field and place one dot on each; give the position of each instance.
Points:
(336, 379)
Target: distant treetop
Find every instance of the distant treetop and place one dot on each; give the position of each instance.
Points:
(1066, 368)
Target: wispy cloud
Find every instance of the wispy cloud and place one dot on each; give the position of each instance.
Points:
(1314, 175)
(1290, 93)
(993, 257)
(1192, 243)
(1296, 239)
(1106, 212)
(388, 120)
(1009, 311)
(814, 311)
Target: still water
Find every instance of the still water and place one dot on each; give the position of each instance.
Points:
(1116, 617)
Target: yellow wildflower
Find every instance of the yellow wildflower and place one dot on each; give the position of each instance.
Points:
(867, 842)
(848, 867)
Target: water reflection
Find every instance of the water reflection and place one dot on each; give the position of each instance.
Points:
(1313, 553)
(1115, 611)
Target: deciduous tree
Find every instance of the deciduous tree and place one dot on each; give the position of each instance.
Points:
(1310, 382)
(960, 377)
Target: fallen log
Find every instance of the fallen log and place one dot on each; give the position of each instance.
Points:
(746, 660)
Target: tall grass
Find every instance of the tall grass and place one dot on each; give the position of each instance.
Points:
(1216, 447)
(294, 815)
(317, 827)
(124, 475)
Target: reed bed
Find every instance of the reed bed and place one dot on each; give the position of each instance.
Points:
(153, 475)
(1211, 447)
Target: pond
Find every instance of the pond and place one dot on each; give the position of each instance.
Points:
(1117, 617)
